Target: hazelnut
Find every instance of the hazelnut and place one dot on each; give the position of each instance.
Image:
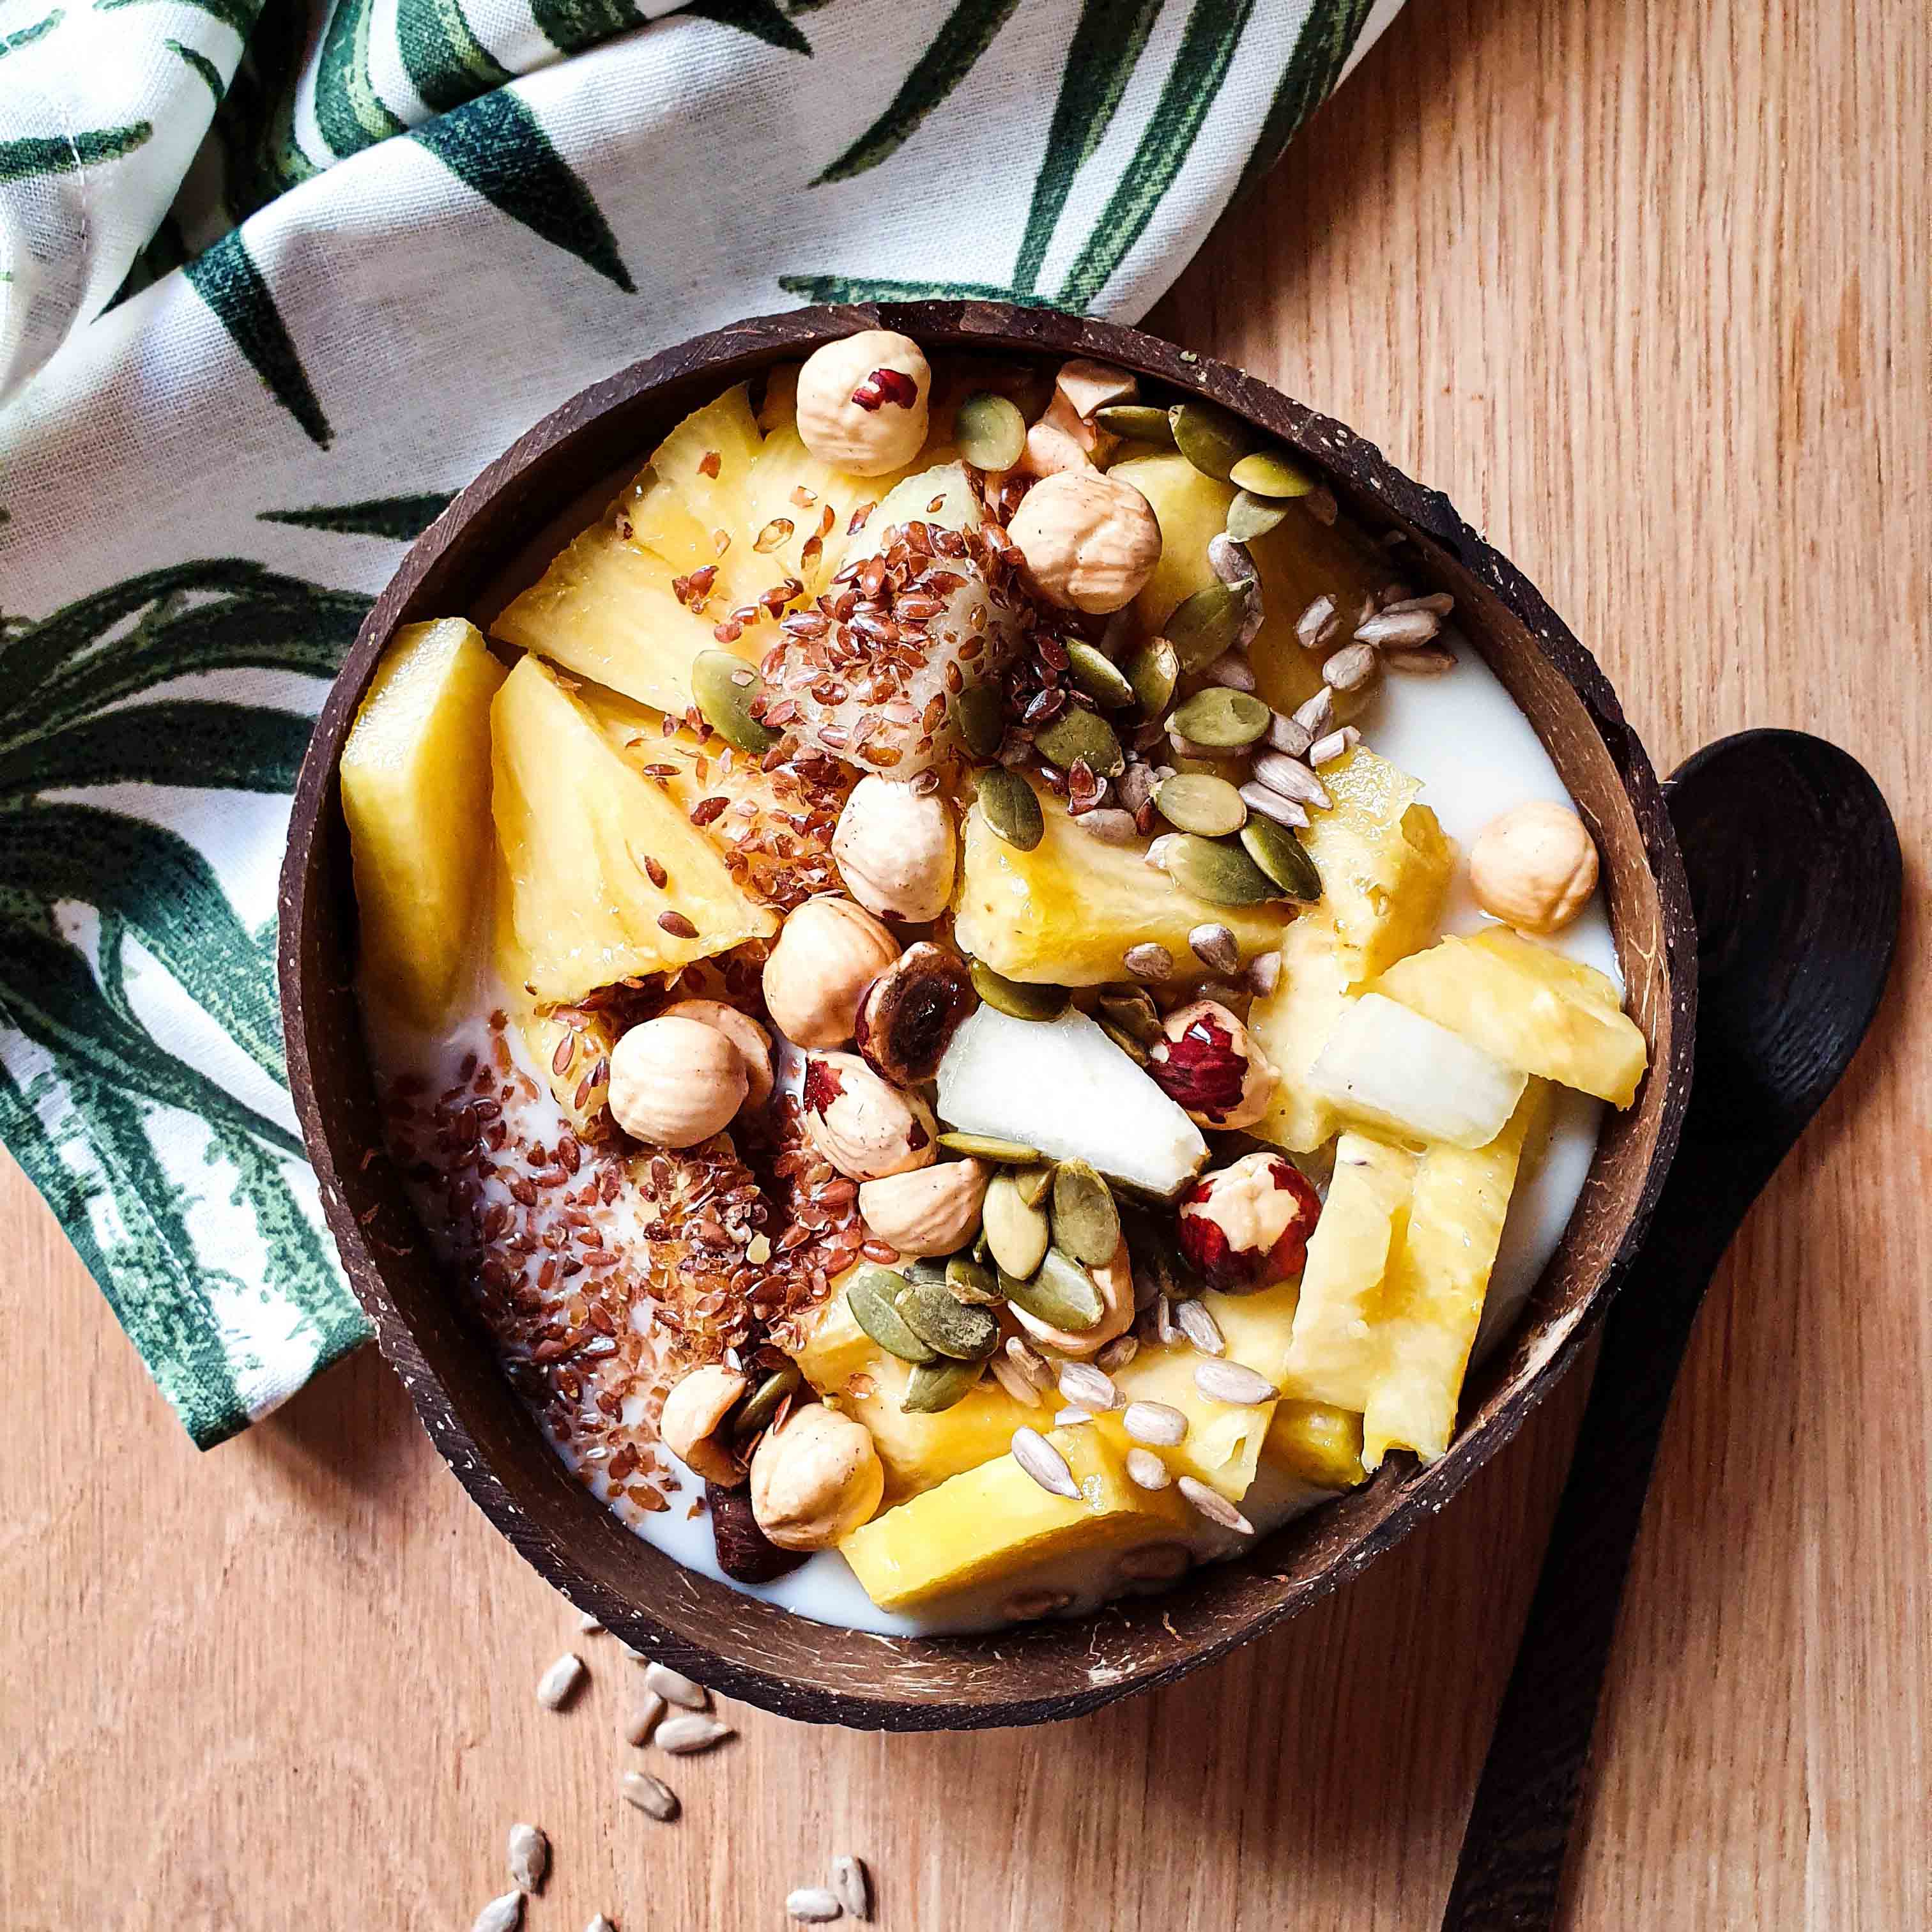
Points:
(1090, 542)
(1246, 1225)
(675, 1082)
(1115, 1280)
(743, 1032)
(1209, 1064)
(928, 1210)
(815, 1478)
(896, 850)
(1085, 385)
(911, 1012)
(864, 1128)
(693, 1415)
(1052, 450)
(1535, 868)
(827, 953)
(861, 402)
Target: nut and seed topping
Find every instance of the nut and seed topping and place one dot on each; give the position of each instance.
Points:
(1149, 961)
(853, 1884)
(1267, 472)
(1270, 804)
(1092, 1388)
(1224, 874)
(641, 1720)
(990, 431)
(1351, 667)
(990, 1146)
(1200, 802)
(1155, 1422)
(1098, 676)
(1146, 1471)
(1291, 778)
(1203, 626)
(1283, 857)
(1214, 1506)
(1215, 946)
(1044, 1463)
(1017, 999)
(1221, 1381)
(501, 1915)
(1011, 808)
(1193, 1320)
(1251, 515)
(1086, 1222)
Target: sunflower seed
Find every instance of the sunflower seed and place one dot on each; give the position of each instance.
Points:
(1216, 947)
(1010, 1378)
(1292, 779)
(1165, 1332)
(1231, 561)
(1045, 1464)
(1010, 808)
(1215, 1506)
(1326, 751)
(1155, 1422)
(1071, 1417)
(1092, 1388)
(1135, 786)
(1431, 661)
(500, 1915)
(1271, 804)
(1317, 716)
(1440, 602)
(600, 1924)
(558, 1685)
(529, 1857)
(1156, 1562)
(1351, 667)
(674, 1687)
(589, 1625)
(1230, 1382)
(1233, 671)
(1193, 1320)
(1264, 972)
(1109, 825)
(1317, 625)
(650, 1795)
(1149, 962)
(813, 1905)
(1030, 1363)
(1146, 1471)
(641, 1720)
(1402, 628)
(989, 431)
(1287, 735)
(690, 1732)
(853, 1884)
(1117, 1353)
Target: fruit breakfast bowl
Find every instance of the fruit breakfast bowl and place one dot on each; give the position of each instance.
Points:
(489, 558)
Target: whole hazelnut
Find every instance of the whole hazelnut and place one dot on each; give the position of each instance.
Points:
(1053, 449)
(1247, 1225)
(1535, 868)
(896, 849)
(866, 1129)
(1115, 1279)
(828, 952)
(1211, 1065)
(694, 1413)
(861, 402)
(743, 1031)
(815, 1478)
(927, 1210)
(1090, 542)
(675, 1082)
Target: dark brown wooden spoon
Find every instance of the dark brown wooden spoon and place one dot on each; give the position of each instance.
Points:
(1793, 862)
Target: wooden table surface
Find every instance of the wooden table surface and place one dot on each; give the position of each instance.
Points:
(1645, 287)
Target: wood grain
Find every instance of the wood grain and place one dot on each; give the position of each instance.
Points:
(1644, 289)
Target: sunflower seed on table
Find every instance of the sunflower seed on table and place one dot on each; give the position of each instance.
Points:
(1317, 715)
(529, 1857)
(1351, 667)
(1326, 751)
(500, 1915)
(558, 1685)
(651, 1796)
(1214, 1506)
(1216, 947)
(600, 1924)
(1233, 671)
(1193, 1320)
(1109, 824)
(1149, 961)
(1230, 1382)
(813, 1905)
(691, 1731)
(1318, 624)
(1430, 661)
(1406, 627)
(674, 1687)
(638, 1723)
(1291, 778)
(588, 1625)
(1071, 1417)
(1146, 1471)
(853, 1884)
(1155, 1422)
(1092, 1388)
(1044, 1463)
(1117, 1353)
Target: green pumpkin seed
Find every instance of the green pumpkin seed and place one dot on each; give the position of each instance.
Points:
(1033, 1182)
(923, 1268)
(1221, 717)
(1017, 1235)
(972, 1282)
(1251, 516)
(1015, 997)
(1267, 472)
(990, 1146)
(1077, 733)
(1198, 802)
(1283, 857)
(945, 1324)
(869, 1295)
(1098, 676)
(1133, 1011)
(989, 430)
(762, 1404)
(1061, 1294)
(1009, 806)
(1207, 623)
(1211, 439)
(1138, 422)
(1086, 1223)
(934, 1386)
(977, 715)
(725, 686)
(1224, 873)
(1154, 670)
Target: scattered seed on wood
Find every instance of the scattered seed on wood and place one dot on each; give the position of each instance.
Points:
(641, 1720)
(1146, 1471)
(1230, 1382)
(690, 1733)
(1044, 1463)
(813, 1905)
(586, 1623)
(650, 1795)
(674, 1687)
(1155, 1422)
(529, 1857)
(500, 1915)
(1214, 1506)
(558, 1685)
(600, 1924)
(853, 1884)
(1193, 1320)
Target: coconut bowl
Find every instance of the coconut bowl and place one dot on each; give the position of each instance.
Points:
(493, 539)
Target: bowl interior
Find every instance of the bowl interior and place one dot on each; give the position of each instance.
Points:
(495, 538)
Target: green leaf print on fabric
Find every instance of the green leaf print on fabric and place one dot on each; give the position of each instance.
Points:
(404, 518)
(202, 65)
(227, 279)
(495, 146)
(447, 64)
(241, 15)
(33, 154)
(350, 113)
(866, 289)
(762, 19)
(569, 25)
(967, 35)
(236, 747)
(25, 36)
(1322, 49)
(255, 123)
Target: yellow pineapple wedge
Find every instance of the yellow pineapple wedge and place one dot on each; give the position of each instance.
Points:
(576, 826)
(1066, 912)
(1315, 1443)
(1223, 1442)
(995, 1522)
(1531, 1007)
(416, 791)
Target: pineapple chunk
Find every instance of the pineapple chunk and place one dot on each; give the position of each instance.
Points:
(707, 460)
(1389, 1066)
(785, 466)
(1316, 1443)
(1531, 1007)
(416, 791)
(574, 824)
(1292, 1024)
(1223, 1443)
(1256, 1327)
(1066, 912)
(993, 1521)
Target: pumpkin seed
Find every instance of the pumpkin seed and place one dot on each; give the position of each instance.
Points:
(978, 718)
(1133, 1011)
(1086, 1223)
(1011, 808)
(1224, 874)
(1078, 733)
(967, 1281)
(946, 1324)
(758, 1408)
(1061, 1294)
(1204, 625)
(725, 686)
(1153, 669)
(1098, 676)
(1033, 1182)
(1016, 998)
(1223, 718)
(1267, 472)
(1211, 439)
(990, 1146)
(1283, 857)
(934, 1386)
(1198, 802)
(1017, 1235)
(1249, 517)
(869, 1294)
(1138, 422)
(989, 430)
